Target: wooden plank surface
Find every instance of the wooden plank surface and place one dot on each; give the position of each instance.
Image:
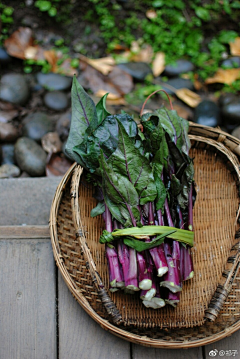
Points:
(26, 200)
(27, 300)
(41, 231)
(226, 347)
(80, 336)
(140, 352)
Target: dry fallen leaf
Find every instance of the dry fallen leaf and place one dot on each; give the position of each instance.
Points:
(182, 111)
(18, 42)
(65, 68)
(144, 55)
(103, 65)
(51, 142)
(112, 98)
(197, 84)
(189, 97)
(151, 14)
(235, 47)
(158, 64)
(227, 76)
(21, 45)
(121, 80)
(118, 82)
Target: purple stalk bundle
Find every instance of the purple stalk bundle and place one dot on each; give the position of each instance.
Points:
(115, 272)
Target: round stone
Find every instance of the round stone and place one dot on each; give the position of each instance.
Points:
(63, 125)
(36, 125)
(53, 81)
(230, 112)
(14, 89)
(226, 98)
(9, 170)
(56, 100)
(232, 62)
(179, 67)
(8, 154)
(177, 83)
(30, 157)
(207, 113)
(138, 70)
(4, 57)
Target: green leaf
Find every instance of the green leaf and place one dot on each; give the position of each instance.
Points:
(127, 161)
(102, 112)
(103, 135)
(202, 13)
(175, 186)
(106, 237)
(162, 155)
(143, 246)
(161, 190)
(186, 181)
(120, 195)
(99, 209)
(180, 235)
(83, 113)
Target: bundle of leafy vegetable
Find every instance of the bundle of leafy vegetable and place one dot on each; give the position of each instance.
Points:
(145, 194)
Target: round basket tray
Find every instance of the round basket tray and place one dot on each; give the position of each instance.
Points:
(215, 291)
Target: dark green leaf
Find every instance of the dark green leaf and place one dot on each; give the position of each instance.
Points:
(99, 209)
(186, 181)
(119, 192)
(175, 186)
(161, 190)
(102, 112)
(127, 161)
(102, 136)
(83, 113)
(106, 237)
(142, 246)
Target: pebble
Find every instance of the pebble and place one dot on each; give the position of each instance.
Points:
(232, 62)
(8, 154)
(6, 116)
(177, 83)
(51, 142)
(36, 125)
(4, 57)
(9, 170)
(230, 111)
(181, 66)
(207, 113)
(8, 133)
(54, 82)
(63, 125)
(138, 70)
(56, 100)
(30, 157)
(226, 98)
(14, 89)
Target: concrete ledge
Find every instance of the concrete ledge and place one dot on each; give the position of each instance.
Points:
(26, 200)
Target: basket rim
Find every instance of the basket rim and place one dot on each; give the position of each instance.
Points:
(104, 323)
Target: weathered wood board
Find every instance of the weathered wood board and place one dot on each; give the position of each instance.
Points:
(140, 352)
(27, 299)
(80, 336)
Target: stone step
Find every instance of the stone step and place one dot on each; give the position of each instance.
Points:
(26, 201)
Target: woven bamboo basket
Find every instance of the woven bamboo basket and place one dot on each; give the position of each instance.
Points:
(214, 292)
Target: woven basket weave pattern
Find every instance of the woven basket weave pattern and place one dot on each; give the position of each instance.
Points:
(215, 225)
